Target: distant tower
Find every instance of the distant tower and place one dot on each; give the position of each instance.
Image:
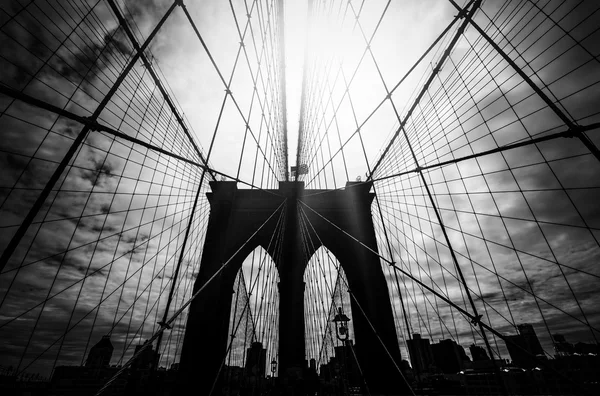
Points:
(531, 340)
(146, 359)
(524, 347)
(528, 333)
(100, 354)
(561, 346)
(256, 360)
(449, 357)
(478, 353)
(420, 352)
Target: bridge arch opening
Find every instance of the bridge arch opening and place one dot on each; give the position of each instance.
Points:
(253, 324)
(325, 292)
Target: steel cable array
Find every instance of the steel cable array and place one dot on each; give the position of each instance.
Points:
(479, 136)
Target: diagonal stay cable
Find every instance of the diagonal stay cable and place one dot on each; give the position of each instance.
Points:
(278, 233)
(94, 125)
(541, 94)
(406, 75)
(332, 304)
(16, 239)
(562, 134)
(123, 23)
(164, 326)
(208, 156)
(471, 317)
(356, 301)
(467, 17)
(330, 290)
(222, 78)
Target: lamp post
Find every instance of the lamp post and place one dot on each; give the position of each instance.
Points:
(341, 326)
(273, 367)
(343, 334)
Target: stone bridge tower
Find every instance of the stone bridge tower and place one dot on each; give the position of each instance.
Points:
(235, 216)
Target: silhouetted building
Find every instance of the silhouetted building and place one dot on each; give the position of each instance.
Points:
(528, 333)
(347, 363)
(564, 375)
(420, 352)
(342, 370)
(583, 348)
(24, 384)
(232, 380)
(561, 346)
(481, 360)
(256, 360)
(524, 347)
(478, 353)
(312, 378)
(449, 357)
(327, 370)
(559, 338)
(404, 366)
(100, 354)
(147, 358)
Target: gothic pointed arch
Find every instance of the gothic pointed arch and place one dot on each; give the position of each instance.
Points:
(253, 322)
(283, 222)
(325, 292)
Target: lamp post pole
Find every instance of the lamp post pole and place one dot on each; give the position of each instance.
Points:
(273, 369)
(343, 334)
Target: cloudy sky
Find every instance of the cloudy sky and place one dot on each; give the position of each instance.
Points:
(524, 223)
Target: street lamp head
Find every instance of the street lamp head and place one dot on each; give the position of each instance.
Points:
(341, 325)
(340, 317)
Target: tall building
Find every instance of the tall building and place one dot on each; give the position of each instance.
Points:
(146, 359)
(256, 360)
(524, 347)
(449, 357)
(528, 333)
(420, 353)
(561, 346)
(100, 354)
(583, 348)
(478, 353)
